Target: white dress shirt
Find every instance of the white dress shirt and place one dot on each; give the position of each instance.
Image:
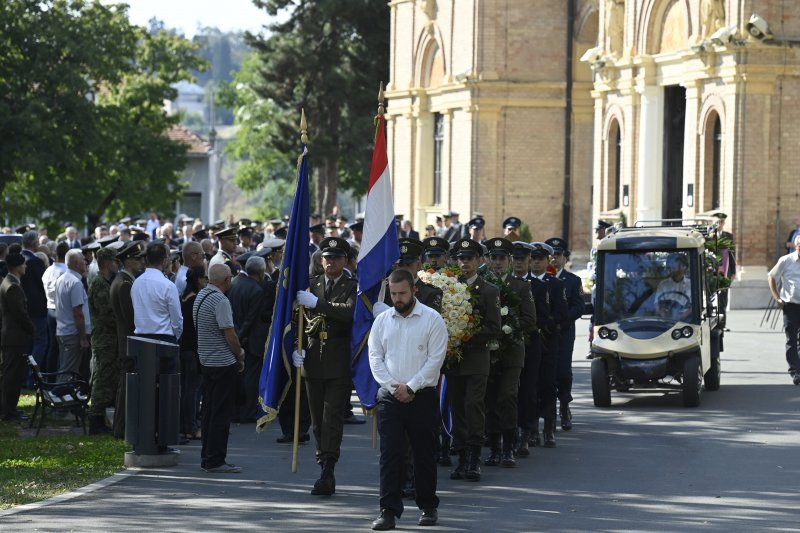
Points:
(786, 273)
(156, 306)
(49, 278)
(409, 349)
(69, 295)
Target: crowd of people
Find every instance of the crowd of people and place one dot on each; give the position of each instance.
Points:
(72, 303)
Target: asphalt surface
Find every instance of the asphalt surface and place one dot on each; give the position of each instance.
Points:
(645, 464)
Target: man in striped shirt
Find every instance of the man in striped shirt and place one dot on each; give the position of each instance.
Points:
(221, 357)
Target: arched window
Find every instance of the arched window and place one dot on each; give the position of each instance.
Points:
(614, 172)
(712, 182)
(438, 147)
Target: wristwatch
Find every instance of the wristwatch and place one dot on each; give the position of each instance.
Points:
(410, 390)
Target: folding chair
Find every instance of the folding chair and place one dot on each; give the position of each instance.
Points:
(50, 394)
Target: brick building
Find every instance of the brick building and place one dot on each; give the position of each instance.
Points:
(675, 109)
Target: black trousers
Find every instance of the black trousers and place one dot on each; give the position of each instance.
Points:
(286, 411)
(791, 327)
(250, 378)
(400, 424)
(12, 372)
(548, 371)
(529, 384)
(218, 410)
(566, 344)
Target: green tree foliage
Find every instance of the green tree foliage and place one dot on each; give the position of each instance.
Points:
(327, 57)
(81, 96)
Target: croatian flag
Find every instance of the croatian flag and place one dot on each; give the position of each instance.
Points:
(379, 251)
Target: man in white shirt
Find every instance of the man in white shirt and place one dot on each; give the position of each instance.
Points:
(784, 284)
(407, 346)
(153, 223)
(193, 256)
(674, 295)
(156, 306)
(72, 315)
(51, 274)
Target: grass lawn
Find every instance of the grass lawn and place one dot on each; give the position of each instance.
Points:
(37, 468)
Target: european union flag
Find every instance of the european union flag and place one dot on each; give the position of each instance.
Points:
(276, 374)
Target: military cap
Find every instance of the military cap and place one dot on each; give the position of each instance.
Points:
(499, 246)
(334, 246)
(245, 231)
(24, 228)
(118, 245)
(317, 228)
(357, 226)
(227, 233)
(242, 258)
(477, 214)
(134, 249)
(467, 247)
(218, 225)
(436, 245)
(105, 253)
(476, 223)
(521, 249)
(341, 218)
(410, 250)
(174, 254)
(602, 224)
(540, 249)
(105, 241)
(245, 222)
(720, 215)
(281, 233)
(91, 247)
(125, 220)
(512, 223)
(399, 217)
(438, 218)
(138, 233)
(360, 216)
(15, 260)
(276, 223)
(141, 222)
(273, 244)
(558, 244)
(200, 234)
(450, 214)
(264, 251)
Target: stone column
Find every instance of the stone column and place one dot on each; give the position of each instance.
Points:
(650, 164)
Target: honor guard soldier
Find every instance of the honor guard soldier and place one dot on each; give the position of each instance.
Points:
(436, 252)
(329, 303)
(410, 253)
(574, 290)
(131, 257)
(502, 389)
(475, 227)
(246, 238)
(549, 326)
(511, 227)
(227, 245)
(466, 379)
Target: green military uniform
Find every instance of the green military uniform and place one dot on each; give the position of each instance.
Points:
(502, 389)
(105, 365)
(327, 362)
(466, 379)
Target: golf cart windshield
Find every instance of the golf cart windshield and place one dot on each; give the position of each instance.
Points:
(647, 285)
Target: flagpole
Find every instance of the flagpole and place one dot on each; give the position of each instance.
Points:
(300, 329)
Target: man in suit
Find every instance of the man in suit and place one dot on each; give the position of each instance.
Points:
(33, 286)
(455, 230)
(132, 259)
(329, 302)
(408, 230)
(574, 291)
(466, 379)
(17, 332)
(72, 238)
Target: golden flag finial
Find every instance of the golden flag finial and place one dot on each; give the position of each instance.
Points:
(303, 127)
(381, 108)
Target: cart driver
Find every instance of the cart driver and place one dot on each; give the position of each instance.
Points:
(674, 294)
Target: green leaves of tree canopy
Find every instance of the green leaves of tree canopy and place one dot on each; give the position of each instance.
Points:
(81, 96)
(327, 57)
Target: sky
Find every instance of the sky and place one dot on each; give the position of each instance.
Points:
(187, 15)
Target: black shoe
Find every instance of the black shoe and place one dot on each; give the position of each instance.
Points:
(566, 417)
(494, 458)
(507, 459)
(796, 379)
(429, 517)
(473, 472)
(549, 433)
(461, 470)
(384, 522)
(535, 439)
(326, 484)
(524, 442)
(284, 439)
(351, 419)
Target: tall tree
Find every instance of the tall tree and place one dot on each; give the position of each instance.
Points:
(81, 96)
(328, 57)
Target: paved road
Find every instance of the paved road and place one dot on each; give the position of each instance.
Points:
(645, 464)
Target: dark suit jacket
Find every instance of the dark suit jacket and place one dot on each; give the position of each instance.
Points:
(122, 307)
(249, 320)
(413, 234)
(333, 360)
(454, 232)
(574, 291)
(475, 354)
(33, 286)
(17, 328)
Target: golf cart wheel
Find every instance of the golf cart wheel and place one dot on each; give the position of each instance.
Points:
(601, 389)
(714, 373)
(692, 380)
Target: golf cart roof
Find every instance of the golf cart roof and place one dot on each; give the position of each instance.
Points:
(654, 238)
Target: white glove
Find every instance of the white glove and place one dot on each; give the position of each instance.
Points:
(298, 358)
(378, 308)
(306, 299)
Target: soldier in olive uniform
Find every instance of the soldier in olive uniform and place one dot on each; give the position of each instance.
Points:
(436, 252)
(132, 259)
(227, 245)
(105, 365)
(503, 386)
(410, 253)
(466, 379)
(329, 302)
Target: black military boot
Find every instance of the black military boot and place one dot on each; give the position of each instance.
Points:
(549, 432)
(507, 459)
(461, 470)
(326, 484)
(444, 452)
(522, 446)
(494, 456)
(566, 417)
(97, 426)
(474, 466)
(535, 438)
